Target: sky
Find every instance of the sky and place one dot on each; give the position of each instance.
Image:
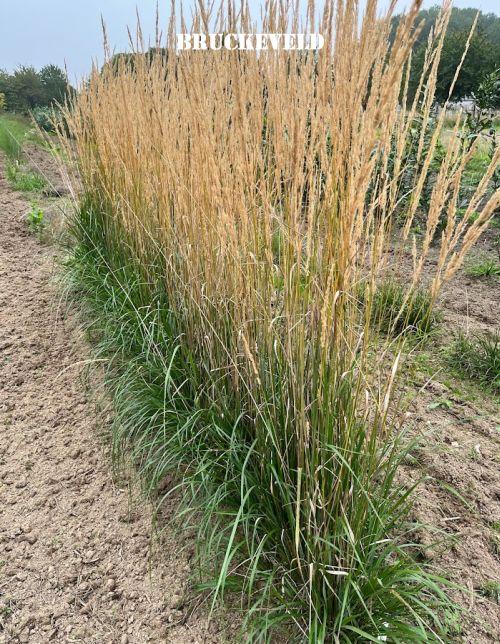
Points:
(68, 32)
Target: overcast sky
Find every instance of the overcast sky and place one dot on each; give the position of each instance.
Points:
(37, 32)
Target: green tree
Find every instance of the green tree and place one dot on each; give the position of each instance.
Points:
(4, 85)
(478, 63)
(25, 89)
(55, 84)
(482, 58)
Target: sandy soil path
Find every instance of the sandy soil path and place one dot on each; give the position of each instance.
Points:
(74, 553)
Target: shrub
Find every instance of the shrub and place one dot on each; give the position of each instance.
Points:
(46, 117)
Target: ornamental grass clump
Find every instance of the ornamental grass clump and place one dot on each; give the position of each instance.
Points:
(232, 205)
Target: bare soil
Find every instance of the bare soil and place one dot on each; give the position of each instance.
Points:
(459, 425)
(79, 561)
(459, 501)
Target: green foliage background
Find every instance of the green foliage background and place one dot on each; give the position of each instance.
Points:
(27, 88)
(482, 58)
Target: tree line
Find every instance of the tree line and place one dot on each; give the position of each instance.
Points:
(26, 88)
(482, 59)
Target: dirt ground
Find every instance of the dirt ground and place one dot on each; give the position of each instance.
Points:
(459, 458)
(460, 500)
(76, 545)
(76, 560)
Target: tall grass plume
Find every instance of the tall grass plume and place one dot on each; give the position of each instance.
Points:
(233, 203)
